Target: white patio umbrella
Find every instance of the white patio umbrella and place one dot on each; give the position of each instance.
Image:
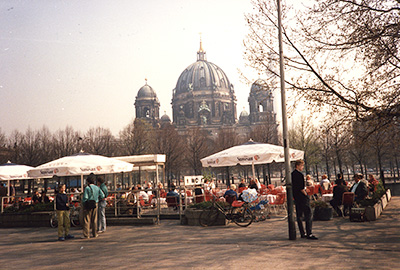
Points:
(250, 153)
(80, 164)
(11, 171)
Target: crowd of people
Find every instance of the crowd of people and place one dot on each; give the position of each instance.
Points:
(93, 198)
(361, 188)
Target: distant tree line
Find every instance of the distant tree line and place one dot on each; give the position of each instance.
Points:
(183, 152)
(331, 148)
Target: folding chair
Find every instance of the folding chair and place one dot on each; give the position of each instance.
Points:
(199, 198)
(279, 202)
(172, 201)
(347, 202)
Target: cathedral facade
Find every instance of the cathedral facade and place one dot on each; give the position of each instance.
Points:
(205, 98)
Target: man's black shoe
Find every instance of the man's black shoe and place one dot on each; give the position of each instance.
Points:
(303, 236)
(312, 237)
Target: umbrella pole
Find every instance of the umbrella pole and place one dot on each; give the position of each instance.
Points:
(254, 173)
(81, 182)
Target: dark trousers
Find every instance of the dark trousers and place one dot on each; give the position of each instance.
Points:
(303, 209)
(335, 205)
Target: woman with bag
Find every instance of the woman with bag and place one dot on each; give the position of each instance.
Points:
(91, 197)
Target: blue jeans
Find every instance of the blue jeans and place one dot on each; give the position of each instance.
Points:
(102, 215)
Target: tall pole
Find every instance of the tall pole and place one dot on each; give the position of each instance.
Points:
(289, 191)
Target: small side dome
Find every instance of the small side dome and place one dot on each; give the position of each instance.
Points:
(244, 117)
(244, 113)
(165, 118)
(146, 91)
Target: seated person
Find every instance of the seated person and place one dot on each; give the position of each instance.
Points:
(161, 190)
(45, 198)
(359, 188)
(309, 181)
(372, 183)
(149, 186)
(173, 193)
(325, 183)
(131, 198)
(143, 193)
(253, 184)
(242, 183)
(340, 176)
(75, 193)
(36, 198)
(231, 192)
(338, 191)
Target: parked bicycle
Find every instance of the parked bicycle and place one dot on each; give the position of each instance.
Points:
(239, 212)
(73, 216)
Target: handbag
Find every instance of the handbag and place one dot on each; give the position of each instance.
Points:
(90, 204)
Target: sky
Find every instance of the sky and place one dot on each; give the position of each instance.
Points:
(81, 63)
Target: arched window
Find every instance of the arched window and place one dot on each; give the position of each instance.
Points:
(146, 112)
(260, 107)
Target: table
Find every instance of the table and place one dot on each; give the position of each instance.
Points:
(269, 197)
(327, 197)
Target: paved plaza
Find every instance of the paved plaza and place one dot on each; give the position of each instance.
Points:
(263, 245)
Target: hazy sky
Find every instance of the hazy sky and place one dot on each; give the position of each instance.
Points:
(81, 63)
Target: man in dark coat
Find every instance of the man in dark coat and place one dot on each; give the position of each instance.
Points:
(359, 188)
(302, 201)
(338, 191)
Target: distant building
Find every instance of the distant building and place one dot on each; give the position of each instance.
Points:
(205, 98)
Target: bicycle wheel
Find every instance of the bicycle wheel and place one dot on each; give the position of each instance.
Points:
(208, 217)
(244, 217)
(53, 220)
(75, 218)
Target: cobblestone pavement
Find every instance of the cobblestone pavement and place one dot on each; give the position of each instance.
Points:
(342, 245)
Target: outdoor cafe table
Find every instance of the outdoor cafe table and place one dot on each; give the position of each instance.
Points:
(327, 197)
(269, 197)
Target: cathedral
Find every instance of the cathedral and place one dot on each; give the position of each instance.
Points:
(205, 98)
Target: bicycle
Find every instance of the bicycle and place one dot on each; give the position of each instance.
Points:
(73, 216)
(239, 212)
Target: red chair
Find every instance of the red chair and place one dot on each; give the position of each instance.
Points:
(172, 201)
(241, 189)
(316, 188)
(310, 190)
(143, 203)
(208, 196)
(279, 202)
(199, 198)
(347, 202)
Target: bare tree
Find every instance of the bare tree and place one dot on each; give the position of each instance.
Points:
(137, 138)
(169, 143)
(197, 147)
(66, 142)
(265, 133)
(339, 53)
(226, 137)
(304, 136)
(99, 141)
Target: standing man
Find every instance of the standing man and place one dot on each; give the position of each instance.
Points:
(90, 199)
(102, 204)
(302, 201)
